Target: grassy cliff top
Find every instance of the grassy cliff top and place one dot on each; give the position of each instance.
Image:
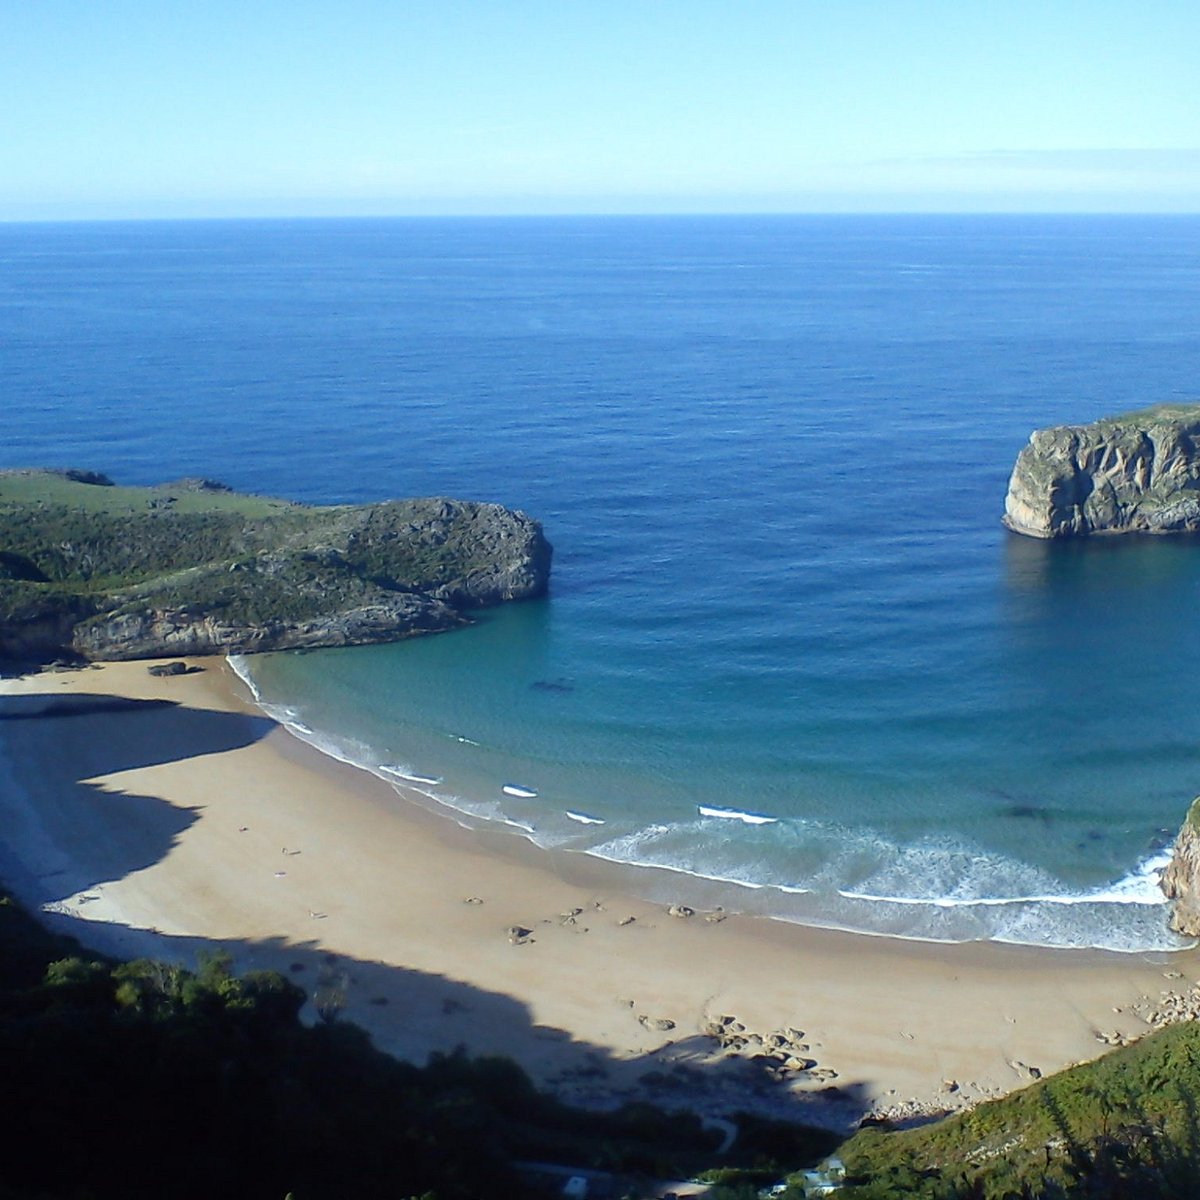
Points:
(90, 492)
(1167, 413)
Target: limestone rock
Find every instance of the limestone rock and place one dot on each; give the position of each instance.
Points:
(1181, 880)
(1135, 473)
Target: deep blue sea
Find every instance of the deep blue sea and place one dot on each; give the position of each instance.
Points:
(788, 643)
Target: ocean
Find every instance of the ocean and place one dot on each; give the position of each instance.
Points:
(788, 646)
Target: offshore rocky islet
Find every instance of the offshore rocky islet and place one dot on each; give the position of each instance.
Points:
(94, 571)
(1137, 473)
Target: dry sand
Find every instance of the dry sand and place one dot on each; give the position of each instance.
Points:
(167, 815)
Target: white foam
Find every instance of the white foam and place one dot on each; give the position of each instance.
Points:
(289, 717)
(409, 775)
(1140, 886)
(583, 818)
(522, 793)
(237, 663)
(734, 814)
(628, 849)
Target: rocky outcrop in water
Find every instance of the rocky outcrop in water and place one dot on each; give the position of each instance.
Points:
(1138, 473)
(96, 571)
(1181, 880)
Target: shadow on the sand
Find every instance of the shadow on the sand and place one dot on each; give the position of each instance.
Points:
(412, 1014)
(132, 831)
(408, 1013)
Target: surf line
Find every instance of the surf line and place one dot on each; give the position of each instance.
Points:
(734, 814)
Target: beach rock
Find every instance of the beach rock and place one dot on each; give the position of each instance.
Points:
(681, 910)
(1180, 882)
(660, 1024)
(795, 1063)
(1173, 1007)
(167, 669)
(1024, 1069)
(1135, 473)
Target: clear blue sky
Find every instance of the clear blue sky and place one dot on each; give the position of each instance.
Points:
(208, 107)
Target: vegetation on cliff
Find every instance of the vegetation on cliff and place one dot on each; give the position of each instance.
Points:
(143, 1079)
(100, 571)
(1126, 1125)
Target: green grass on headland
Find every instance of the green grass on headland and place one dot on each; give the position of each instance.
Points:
(71, 490)
(1125, 1127)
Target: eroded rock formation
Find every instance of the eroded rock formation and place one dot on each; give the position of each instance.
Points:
(1181, 879)
(1137, 473)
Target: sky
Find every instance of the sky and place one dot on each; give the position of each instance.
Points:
(209, 108)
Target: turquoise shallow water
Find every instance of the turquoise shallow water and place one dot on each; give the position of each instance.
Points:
(771, 454)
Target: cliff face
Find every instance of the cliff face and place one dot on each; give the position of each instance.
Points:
(102, 572)
(1137, 473)
(1181, 879)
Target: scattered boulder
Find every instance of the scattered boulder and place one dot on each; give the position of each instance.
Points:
(166, 669)
(94, 478)
(194, 483)
(660, 1024)
(1025, 1070)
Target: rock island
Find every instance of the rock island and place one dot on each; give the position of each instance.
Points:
(1138, 473)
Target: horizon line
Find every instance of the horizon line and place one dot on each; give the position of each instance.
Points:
(600, 215)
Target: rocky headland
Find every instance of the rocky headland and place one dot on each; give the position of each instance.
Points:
(1181, 880)
(93, 571)
(1138, 473)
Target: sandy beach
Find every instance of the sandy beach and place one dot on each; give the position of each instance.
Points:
(167, 816)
